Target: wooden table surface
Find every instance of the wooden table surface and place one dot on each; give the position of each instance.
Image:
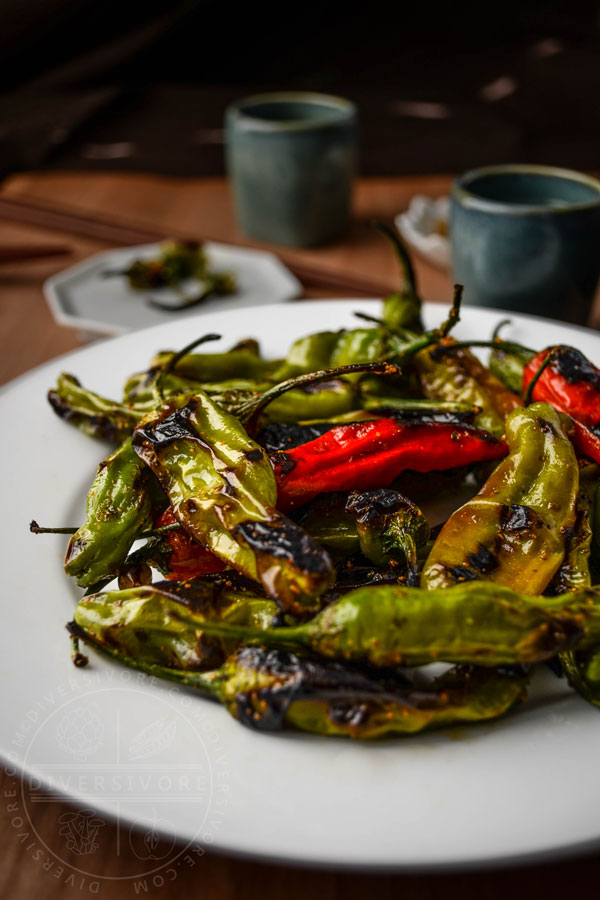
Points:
(34, 859)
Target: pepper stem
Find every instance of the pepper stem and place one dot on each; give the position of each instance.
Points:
(528, 396)
(208, 682)
(494, 344)
(38, 529)
(79, 659)
(249, 410)
(400, 332)
(499, 327)
(402, 254)
(453, 316)
(153, 532)
(172, 362)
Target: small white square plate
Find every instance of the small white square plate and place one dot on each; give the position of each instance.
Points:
(82, 297)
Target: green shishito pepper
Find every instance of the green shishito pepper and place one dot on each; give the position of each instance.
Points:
(152, 622)
(383, 525)
(331, 349)
(118, 509)
(268, 690)
(582, 667)
(389, 526)
(513, 531)
(317, 401)
(508, 365)
(402, 309)
(222, 490)
(242, 361)
(94, 415)
(476, 623)
(459, 376)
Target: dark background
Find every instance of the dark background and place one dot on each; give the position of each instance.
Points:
(117, 85)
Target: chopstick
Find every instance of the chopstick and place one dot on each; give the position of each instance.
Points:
(21, 252)
(73, 221)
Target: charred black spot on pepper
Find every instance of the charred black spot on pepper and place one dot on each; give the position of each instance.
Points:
(359, 576)
(351, 694)
(99, 425)
(574, 367)
(368, 506)
(484, 560)
(462, 573)
(517, 518)
(418, 417)
(546, 426)
(283, 539)
(283, 462)
(253, 455)
(278, 436)
(175, 426)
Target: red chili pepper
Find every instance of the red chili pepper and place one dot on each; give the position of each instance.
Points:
(571, 383)
(368, 455)
(188, 558)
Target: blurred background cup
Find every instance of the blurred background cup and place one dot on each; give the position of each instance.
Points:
(291, 158)
(527, 238)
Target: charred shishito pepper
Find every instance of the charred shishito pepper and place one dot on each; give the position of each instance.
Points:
(383, 525)
(222, 489)
(118, 509)
(476, 623)
(459, 376)
(571, 383)
(581, 667)
(161, 623)
(369, 455)
(390, 526)
(269, 689)
(515, 530)
(241, 361)
(94, 415)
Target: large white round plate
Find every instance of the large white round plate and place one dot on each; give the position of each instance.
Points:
(523, 787)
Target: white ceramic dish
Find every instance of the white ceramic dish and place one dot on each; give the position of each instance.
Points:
(424, 227)
(524, 787)
(81, 297)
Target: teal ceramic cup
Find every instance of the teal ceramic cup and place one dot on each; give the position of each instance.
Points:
(527, 238)
(291, 159)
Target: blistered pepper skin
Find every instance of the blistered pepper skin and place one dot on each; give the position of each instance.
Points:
(461, 377)
(222, 489)
(570, 382)
(96, 416)
(118, 508)
(369, 455)
(389, 625)
(161, 623)
(513, 532)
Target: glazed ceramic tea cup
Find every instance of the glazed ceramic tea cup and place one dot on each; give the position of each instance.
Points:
(291, 158)
(527, 238)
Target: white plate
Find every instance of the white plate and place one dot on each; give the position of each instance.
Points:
(523, 787)
(81, 297)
